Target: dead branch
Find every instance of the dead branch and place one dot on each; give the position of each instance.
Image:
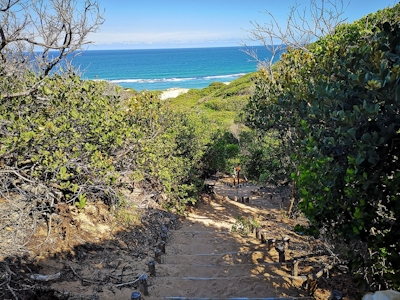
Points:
(128, 283)
(42, 277)
(81, 278)
(12, 292)
(30, 29)
(303, 26)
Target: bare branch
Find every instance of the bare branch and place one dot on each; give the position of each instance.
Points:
(302, 27)
(36, 36)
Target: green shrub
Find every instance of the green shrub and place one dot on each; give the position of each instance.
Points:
(336, 110)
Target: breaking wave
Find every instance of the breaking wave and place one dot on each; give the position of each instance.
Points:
(176, 79)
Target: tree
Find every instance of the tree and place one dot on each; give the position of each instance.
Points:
(303, 26)
(350, 179)
(339, 100)
(35, 36)
(270, 108)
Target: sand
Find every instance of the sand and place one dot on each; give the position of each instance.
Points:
(173, 93)
(204, 259)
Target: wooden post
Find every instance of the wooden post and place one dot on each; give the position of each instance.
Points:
(271, 244)
(161, 246)
(152, 268)
(295, 268)
(143, 287)
(263, 236)
(157, 255)
(281, 252)
(258, 233)
(311, 284)
(286, 241)
(164, 237)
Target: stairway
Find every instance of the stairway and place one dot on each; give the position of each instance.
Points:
(205, 260)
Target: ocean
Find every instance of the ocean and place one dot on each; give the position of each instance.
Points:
(161, 69)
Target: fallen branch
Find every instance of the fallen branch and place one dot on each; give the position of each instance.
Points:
(8, 270)
(17, 174)
(12, 292)
(332, 254)
(128, 283)
(81, 278)
(41, 277)
(312, 279)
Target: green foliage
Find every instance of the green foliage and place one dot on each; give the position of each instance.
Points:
(336, 109)
(244, 225)
(73, 129)
(81, 203)
(81, 137)
(219, 102)
(265, 159)
(221, 105)
(226, 104)
(303, 230)
(222, 155)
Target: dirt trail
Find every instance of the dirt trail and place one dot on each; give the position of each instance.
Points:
(205, 259)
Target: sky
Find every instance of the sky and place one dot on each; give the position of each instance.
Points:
(151, 24)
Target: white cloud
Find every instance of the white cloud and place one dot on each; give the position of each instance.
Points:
(159, 37)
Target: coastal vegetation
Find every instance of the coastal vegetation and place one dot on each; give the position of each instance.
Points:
(324, 119)
(334, 107)
(70, 141)
(220, 102)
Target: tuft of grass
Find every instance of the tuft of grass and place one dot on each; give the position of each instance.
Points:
(243, 225)
(127, 214)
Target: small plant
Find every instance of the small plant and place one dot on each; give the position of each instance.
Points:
(128, 216)
(244, 225)
(81, 203)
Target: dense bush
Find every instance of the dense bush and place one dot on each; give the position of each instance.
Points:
(335, 106)
(222, 154)
(75, 141)
(221, 103)
(263, 157)
(229, 104)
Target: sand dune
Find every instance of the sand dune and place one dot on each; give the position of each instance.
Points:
(173, 93)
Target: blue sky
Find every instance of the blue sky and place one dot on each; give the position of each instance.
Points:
(146, 24)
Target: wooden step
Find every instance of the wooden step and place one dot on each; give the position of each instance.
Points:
(232, 257)
(197, 272)
(215, 287)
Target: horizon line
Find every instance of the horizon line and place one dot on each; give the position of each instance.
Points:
(161, 45)
(174, 48)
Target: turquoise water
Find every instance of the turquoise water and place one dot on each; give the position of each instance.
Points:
(160, 69)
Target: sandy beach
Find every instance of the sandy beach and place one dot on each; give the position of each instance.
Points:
(173, 93)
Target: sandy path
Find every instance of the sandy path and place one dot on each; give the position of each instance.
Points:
(204, 259)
